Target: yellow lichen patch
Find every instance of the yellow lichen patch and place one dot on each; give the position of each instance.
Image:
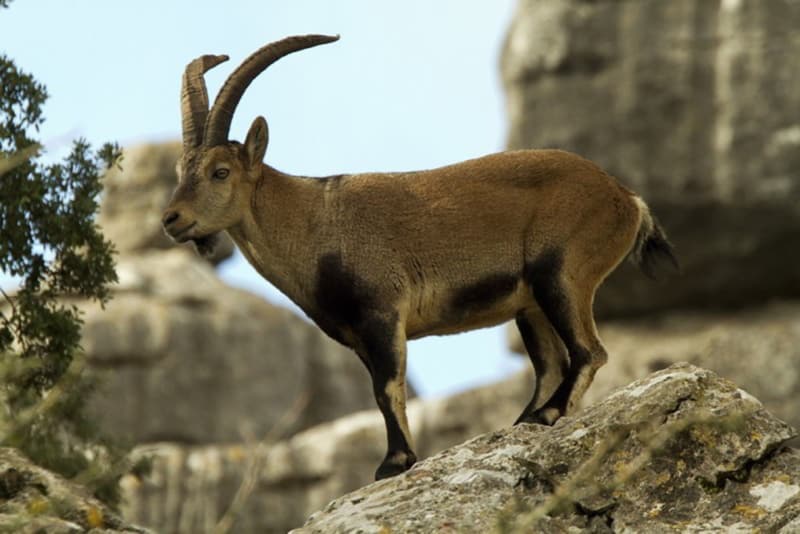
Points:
(701, 435)
(663, 478)
(385, 530)
(655, 511)
(749, 511)
(94, 517)
(38, 506)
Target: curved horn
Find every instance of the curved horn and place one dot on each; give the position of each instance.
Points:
(221, 115)
(194, 98)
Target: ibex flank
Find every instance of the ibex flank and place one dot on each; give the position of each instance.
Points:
(376, 259)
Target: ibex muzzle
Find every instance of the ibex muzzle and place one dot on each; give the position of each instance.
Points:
(376, 259)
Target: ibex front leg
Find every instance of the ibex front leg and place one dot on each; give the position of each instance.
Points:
(382, 347)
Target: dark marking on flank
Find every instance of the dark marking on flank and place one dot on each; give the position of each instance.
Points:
(484, 292)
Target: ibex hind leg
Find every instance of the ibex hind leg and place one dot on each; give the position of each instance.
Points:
(568, 307)
(548, 356)
(382, 346)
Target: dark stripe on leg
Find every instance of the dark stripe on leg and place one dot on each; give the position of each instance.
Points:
(378, 339)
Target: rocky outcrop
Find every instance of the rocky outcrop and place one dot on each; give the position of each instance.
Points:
(34, 500)
(681, 450)
(757, 348)
(693, 105)
(187, 358)
(192, 488)
(135, 196)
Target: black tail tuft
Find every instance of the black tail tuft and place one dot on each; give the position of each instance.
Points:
(652, 246)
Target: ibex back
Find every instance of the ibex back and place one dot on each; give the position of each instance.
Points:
(376, 259)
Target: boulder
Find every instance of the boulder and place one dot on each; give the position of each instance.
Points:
(187, 358)
(34, 500)
(135, 196)
(681, 450)
(758, 348)
(192, 487)
(691, 104)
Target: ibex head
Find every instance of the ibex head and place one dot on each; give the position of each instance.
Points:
(216, 175)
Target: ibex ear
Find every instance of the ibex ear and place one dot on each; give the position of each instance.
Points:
(255, 146)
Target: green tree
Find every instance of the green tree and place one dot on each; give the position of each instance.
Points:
(49, 241)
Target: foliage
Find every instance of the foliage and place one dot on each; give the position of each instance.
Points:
(50, 242)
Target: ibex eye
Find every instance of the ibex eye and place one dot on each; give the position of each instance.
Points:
(220, 174)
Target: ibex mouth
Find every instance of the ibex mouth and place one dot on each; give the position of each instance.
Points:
(182, 235)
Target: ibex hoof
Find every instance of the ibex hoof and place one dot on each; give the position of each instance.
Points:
(394, 464)
(542, 416)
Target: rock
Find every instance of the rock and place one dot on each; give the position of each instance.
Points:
(191, 488)
(34, 500)
(134, 198)
(757, 348)
(681, 450)
(189, 359)
(693, 105)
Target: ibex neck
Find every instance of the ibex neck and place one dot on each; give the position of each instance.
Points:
(278, 232)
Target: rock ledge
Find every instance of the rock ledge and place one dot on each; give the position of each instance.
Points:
(681, 449)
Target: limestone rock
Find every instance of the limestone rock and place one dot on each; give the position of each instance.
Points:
(693, 105)
(681, 450)
(758, 348)
(34, 500)
(190, 359)
(192, 487)
(134, 198)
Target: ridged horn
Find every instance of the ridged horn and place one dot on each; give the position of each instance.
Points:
(194, 98)
(219, 119)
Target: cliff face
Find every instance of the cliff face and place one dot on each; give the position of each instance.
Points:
(693, 105)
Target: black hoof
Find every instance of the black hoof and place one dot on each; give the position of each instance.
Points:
(394, 464)
(542, 416)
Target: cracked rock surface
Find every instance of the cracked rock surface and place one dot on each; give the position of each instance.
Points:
(681, 450)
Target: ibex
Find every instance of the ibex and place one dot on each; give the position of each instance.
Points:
(376, 259)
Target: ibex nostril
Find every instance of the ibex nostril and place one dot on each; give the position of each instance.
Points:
(169, 218)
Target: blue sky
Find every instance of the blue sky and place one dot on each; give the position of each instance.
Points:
(410, 85)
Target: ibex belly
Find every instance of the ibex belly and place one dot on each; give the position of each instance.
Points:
(490, 302)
